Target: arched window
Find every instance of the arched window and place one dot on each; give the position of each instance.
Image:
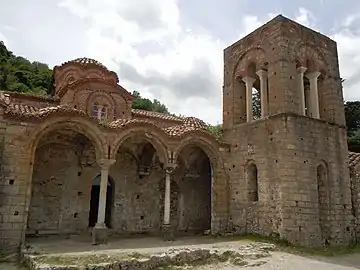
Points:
(104, 112)
(95, 111)
(100, 111)
(252, 183)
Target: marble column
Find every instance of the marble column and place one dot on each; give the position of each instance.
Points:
(314, 96)
(301, 71)
(104, 165)
(249, 104)
(169, 170)
(263, 93)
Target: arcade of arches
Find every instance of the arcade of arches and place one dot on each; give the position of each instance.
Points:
(68, 188)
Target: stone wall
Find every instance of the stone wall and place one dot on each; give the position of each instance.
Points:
(287, 158)
(15, 168)
(355, 199)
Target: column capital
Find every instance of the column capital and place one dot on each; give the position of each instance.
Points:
(313, 75)
(105, 163)
(301, 70)
(170, 168)
(248, 80)
(261, 73)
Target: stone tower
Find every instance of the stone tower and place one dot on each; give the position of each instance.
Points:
(288, 165)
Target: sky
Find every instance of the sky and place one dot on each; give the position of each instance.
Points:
(171, 50)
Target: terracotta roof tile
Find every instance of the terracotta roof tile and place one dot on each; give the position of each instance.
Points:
(354, 159)
(137, 112)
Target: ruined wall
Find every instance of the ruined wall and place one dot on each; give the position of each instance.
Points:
(137, 204)
(60, 191)
(355, 200)
(194, 204)
(15, 166)
(287, 158)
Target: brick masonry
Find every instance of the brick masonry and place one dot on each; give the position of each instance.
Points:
(285, 175)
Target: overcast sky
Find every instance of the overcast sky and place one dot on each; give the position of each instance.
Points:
(170, 50)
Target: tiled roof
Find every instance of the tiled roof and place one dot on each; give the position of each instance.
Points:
(137, 112)
(21, 110)
(354, 159)
(84, 61)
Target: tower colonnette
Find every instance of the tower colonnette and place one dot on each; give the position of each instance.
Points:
(288, 166)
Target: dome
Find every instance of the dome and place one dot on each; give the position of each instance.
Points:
(195, 123)
(87, 61)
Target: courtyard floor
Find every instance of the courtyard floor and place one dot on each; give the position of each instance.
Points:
(256, 255)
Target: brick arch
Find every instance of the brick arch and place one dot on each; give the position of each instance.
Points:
(103, 98)
(312, 54)
(78, 124)
(149, 132)
(256, 56)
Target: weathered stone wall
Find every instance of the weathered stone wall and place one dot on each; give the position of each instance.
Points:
(194, 204)
(137, 206)
(355, 199)
(287, 158)
(61, 191)
(15, 168)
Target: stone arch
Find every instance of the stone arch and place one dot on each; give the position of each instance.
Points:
(254, 55)
(52, 165)
(79, 124)
(219, 189)
(149, 132)
(205, 141)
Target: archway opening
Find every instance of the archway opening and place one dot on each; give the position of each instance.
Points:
(139, 203)
(252, 183)
(94, 201)
(194, 190)
(59, 190)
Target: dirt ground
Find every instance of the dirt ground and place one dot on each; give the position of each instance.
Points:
(279, 260)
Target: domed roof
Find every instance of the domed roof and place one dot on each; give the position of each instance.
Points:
(195, 123)
(87, 61)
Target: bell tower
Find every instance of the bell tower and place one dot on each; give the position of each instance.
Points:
(289, 146)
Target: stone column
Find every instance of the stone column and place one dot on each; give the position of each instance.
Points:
(169, 170)
(301, 71)
(249, 106)
(314, 96)
(263, 92)
(100, 230)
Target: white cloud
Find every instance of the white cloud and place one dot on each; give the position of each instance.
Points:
(4, 39)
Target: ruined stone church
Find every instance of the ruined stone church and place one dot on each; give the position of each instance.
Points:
(82, 161)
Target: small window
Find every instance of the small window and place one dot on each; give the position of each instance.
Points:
(252, 183)
(95, 111)
(104, 112)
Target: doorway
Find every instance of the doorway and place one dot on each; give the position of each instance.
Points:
(94, 202)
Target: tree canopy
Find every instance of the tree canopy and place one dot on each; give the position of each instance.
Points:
(20, 75)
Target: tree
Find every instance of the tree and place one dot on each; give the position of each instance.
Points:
(352, 116)
(148, 105)
(256, 105)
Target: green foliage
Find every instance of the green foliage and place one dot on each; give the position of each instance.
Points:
(352, 115)
(217, 131)
(20, 75)
(148, 105)
(256, 105)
